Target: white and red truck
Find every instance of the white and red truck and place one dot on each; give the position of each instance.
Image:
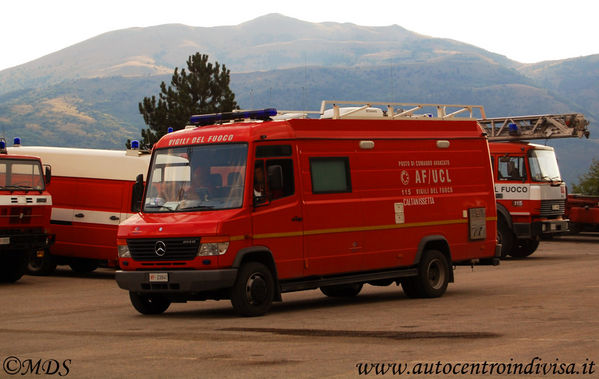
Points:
(25, 208)
(93, 190)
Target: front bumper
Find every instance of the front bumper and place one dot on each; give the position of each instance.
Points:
(179, 281)
(526, 230)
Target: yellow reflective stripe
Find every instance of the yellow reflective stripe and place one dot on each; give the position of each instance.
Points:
(361, 228)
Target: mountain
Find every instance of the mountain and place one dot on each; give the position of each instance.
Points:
(87, 94)
(266, 43)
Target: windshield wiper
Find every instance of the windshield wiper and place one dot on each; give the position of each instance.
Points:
(197, 208)
(18, 188)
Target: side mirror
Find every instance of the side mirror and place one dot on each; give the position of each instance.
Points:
(47, 174)
(137, 193)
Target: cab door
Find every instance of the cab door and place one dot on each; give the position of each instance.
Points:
(277, 218)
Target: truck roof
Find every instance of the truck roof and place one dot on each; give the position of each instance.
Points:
(323, 129)
(88, 163)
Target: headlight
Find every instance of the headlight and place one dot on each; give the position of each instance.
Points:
(213, 246)
(123, 249)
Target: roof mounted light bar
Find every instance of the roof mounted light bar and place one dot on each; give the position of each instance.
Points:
(213, 118)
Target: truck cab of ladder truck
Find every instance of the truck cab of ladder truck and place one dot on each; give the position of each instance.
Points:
(530, 195)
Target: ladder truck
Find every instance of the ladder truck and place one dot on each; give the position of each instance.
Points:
(529, 190)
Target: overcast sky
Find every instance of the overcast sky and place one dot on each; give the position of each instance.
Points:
(524, 30)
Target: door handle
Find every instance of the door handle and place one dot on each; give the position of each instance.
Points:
(114, 218)
(296, 218)
(79, 215)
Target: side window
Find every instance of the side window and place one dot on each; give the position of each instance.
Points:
(273, 178)
(330, 175)
(511, 168)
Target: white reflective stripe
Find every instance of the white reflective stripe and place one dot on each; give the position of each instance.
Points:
(88, 216)
(520, 213)
(25, 200)
(62, 214)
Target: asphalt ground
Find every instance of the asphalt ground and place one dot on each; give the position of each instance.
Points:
(534, 317)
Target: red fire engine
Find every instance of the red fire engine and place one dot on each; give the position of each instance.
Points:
(25, 207)
(531, 194)
(250, 209)
(93, 190)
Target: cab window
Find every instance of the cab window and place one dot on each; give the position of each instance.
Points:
(511, 168)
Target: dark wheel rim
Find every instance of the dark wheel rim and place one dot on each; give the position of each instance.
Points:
(436, 274)
(256, 289)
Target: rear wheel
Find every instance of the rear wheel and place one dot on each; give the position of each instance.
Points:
(345, 290)
(432, 278)
(253, 291)
(505, 237)
(83, 266)
(41, 263)
(149, 304)
(524, 248)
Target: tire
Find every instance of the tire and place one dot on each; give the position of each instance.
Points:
(345, 290)
(524, 248)
(149, 304)
(83, 266)
(574, 228)
(505, 237)
(253, 291)
(41, 266)
(13, 267)
(432, 278)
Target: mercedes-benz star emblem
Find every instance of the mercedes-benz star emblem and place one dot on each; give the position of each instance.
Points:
(160, 248)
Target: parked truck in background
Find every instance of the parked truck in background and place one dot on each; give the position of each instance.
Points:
(93, 190)
(583, 213)
(530, 192)
(25, 208)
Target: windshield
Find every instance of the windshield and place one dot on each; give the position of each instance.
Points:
(196, 178)
(543, 166)
(16, 174)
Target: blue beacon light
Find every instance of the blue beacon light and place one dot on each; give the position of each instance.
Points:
(135, 144)
(170, 129)
(16, 141)
(209, 119)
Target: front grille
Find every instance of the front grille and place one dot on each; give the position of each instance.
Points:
(168, 249)
(547, 207)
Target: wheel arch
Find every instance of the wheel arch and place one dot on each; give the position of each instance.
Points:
(263, 255)
(436, 242)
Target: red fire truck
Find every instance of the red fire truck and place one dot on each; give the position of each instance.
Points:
(582, 212)
(242, 207)
(531, 194)
(93, 190)
(25, 207)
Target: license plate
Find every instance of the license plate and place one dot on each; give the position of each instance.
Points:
(159, 277)
(5, 241)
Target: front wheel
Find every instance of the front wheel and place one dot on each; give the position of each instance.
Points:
(149, 304)
(524, 248)
(432, 278)
(41, 263)
(505, 237)
(12, 267)
(253, 291)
